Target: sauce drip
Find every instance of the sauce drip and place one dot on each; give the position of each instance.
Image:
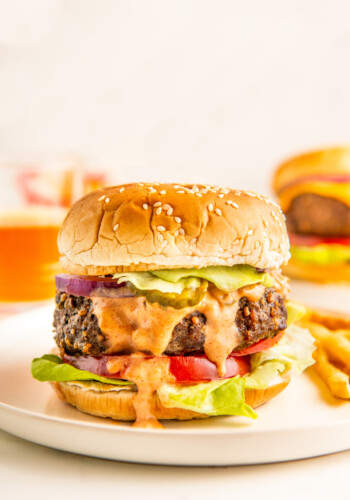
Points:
(134, 325)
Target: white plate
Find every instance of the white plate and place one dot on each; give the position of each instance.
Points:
(297, 424)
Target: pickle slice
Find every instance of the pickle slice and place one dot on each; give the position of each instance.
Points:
(189, 297)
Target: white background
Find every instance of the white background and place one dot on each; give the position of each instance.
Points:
(205, 90)
(212, 90)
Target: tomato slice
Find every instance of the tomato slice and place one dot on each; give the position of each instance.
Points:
(183, 368)
(201, 369)
(261, 345)
(310, 241)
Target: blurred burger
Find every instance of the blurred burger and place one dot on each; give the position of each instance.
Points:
(314, 193)
(174, 306)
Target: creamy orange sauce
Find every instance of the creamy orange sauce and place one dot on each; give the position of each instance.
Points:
(148, 375)
(133, 324)
(137, 326)
(281, 283)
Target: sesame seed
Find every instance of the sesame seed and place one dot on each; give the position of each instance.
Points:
(178, 220)
(176, 233)
(182, 231)
(180, 192)
(166, 206)
(159, 211)
(157, 204)
(210, 207)
(102, 198)
(195, 188)
(218, 211)
(162, 192)
(221, 195)
(250, 232)
(115, 227)
(234, 205)
(121, 190)
(107, 200)
(170, 211)
(160, 237)
(160, 228)
(145, 206)
(199, 195)
(140, 184)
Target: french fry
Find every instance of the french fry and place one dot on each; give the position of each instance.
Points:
(332, 355)
(336, 380)
(329, 319)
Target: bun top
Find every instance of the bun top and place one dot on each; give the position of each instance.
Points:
(136, 227)
(330, 163)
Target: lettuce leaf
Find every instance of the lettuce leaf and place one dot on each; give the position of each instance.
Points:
(221, 397)
(295, 312)
(292, 353)
(322, 254)
(225, 278)
(146, 280)
(226, 397)
(51, 368)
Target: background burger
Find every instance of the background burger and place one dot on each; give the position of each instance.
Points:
(174, 306)
(314, 193)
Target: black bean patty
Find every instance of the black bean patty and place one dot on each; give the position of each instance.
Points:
(78, 332)
(318, 216)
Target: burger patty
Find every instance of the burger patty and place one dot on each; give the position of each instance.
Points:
(78, 332)
(318, 215)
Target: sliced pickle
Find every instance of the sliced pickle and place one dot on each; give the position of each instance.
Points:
(187, 298)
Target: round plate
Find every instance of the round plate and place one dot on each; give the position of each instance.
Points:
(304, 421)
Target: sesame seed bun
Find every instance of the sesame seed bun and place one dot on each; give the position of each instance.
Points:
(327, 161)
(118, 404)
(329, 273)
(136, 227)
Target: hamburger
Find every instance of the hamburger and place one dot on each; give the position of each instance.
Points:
(314, 193)
(173, 305)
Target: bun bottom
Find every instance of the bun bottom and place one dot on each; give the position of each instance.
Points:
(118, 405)
(333, 273)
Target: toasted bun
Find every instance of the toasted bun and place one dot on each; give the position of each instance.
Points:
(137, 227)
(328, 162)
(119, 404)
(335, 273)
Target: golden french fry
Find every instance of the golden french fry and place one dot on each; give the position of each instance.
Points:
(335, 379)
(344, 333)
(330, 319)
(338, 348)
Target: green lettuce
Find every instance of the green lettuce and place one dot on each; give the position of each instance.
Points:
(51, 368)
(221, 397)
(225, 278)
(295, 312)
(292, 353)
(322, 254)
(146, 280)
(226, 397)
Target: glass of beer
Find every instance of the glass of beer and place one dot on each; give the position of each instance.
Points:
(34, 198)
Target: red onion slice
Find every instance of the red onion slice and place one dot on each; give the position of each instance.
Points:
(87, 286)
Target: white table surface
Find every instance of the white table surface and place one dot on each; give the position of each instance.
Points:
(33, 472)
